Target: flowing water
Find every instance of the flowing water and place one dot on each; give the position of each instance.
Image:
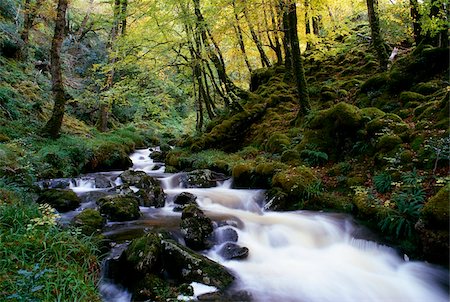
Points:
(294, 256)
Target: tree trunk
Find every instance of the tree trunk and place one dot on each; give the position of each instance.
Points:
(53, 126)
(415, 16)
(276, 28)
(264, 59)
(377, 40)
(297, 64)
(28, 22)
(240, 38)
(286, 38)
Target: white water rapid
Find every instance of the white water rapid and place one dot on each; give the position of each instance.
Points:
(298, 256)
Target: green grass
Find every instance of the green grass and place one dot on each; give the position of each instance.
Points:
(43, 262)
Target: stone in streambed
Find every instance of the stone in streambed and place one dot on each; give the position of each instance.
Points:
(183, 200)
(196, 228)
(231, 251)
(150, 193)
(89, 221)
(119, 208)
(61, 200)
(202, 179)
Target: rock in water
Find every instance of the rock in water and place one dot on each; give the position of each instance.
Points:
(202, 179)
(61, 200)
(90, 221)
(119, 208)
(183, 263)
(196, 227)
(233, 251)
(184, 199)
(150, 193)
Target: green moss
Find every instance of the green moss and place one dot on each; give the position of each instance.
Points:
(294, 181)
(335, 201)
(277, 142)
(409, 96)
(61, 200)
(390, 122)
(332, 131)
(435, 212)
(90, 221)
(388, 142)
(375, 83)
(290, 156)
(242, 174)
(119, 208)
(426, 88)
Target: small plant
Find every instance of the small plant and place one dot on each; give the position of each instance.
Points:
(382, 182)
(313, 157)
(29, 283)
(440, 148)
(314, 189)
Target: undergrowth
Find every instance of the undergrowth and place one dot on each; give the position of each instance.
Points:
(40, 260)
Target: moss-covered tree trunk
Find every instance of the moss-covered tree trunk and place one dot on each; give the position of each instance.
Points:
(377, 40)
(53, 126)
(296, 59)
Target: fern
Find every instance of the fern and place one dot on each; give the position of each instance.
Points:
(313, 158)
(382, 182)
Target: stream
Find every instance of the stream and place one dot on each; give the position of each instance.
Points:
(294, 256)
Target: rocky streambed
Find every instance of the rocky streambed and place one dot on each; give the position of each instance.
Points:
(190, 236)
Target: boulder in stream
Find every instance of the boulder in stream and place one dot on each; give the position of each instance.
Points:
(233, 251)
(156, 265)
(119, 207)
(202, 179)
(150, 193)
(90, 221)
(184, 264)
(184, 199)
(61, 200)
(196, 227)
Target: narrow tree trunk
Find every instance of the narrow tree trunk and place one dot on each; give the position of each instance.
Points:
(286, 38)
(415, 16)
(28, 21)
(264, 59)
(377, 40)
(276, 27)
(53, 126)
(124, 16)
(240, 38)
(297, 64)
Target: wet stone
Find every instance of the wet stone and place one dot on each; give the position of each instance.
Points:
(231, 251)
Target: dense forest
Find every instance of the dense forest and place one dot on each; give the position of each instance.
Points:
(335, 107)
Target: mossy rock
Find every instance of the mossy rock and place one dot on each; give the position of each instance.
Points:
(150, 191)
(409, 96)
(388, 142)
(389, 121)
(4, 138)
(242, 174)
(375, 83)
(328, 96)
(294, 181)
(196, 227)
(335, 202)
(290, 156)
(109, 157)
(203, 178)
(119, 208)
(277, 143)
(61, 200)
(90, 221)
(419, 66)
(435, 212)
(333, 131)
(144, 255)
(371, 113)
(187, 266)
(426, 88)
